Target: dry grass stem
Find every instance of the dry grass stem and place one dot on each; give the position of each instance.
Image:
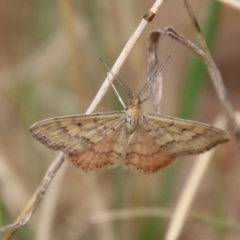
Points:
(213, 72)
(156, 212)
(123, 214)
(152, 68)
(67, 15)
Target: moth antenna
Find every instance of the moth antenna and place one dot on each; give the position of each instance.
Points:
(153, 78)
(118, 80)
(118, 95)
(145, 99)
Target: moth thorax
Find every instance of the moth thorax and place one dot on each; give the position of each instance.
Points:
(133, 116)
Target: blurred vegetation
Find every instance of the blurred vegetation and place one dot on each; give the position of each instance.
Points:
(49, 66)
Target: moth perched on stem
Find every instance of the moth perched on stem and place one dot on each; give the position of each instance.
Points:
(142, 141)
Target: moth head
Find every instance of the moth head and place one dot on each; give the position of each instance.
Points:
(135, 101)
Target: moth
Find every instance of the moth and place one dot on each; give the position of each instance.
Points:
(145, 142)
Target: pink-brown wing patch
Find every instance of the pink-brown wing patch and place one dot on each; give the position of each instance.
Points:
(106, 153)
(144, 154)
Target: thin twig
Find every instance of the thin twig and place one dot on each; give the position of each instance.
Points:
(214, 74)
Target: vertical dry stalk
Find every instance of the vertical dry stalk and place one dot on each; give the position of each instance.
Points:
(156, 86)
(68, 23)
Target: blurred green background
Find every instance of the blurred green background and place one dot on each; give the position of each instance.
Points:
(49, 66)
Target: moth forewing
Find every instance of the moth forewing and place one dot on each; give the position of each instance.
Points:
(77, 132)
(183, 137)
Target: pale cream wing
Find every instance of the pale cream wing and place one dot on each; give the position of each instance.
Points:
(106, 153)
(182, 137)
(74, 134)
(146, 155)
